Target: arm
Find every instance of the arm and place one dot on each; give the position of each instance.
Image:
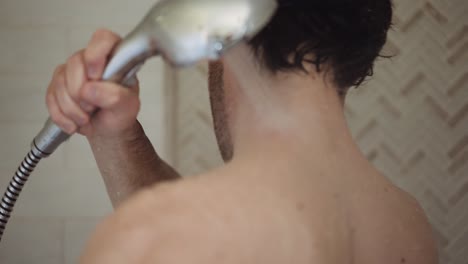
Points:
(124, 155)
(128, 163)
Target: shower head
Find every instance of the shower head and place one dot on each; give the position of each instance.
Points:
(184, 32)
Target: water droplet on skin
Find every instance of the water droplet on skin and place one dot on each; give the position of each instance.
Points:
(218, 46)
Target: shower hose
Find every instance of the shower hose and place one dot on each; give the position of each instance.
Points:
(16, 186)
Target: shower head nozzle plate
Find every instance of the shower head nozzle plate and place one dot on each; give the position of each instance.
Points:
(187, 31)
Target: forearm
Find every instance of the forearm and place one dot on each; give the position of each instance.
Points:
(128, 163)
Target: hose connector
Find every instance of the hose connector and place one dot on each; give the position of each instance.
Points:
(48, 139)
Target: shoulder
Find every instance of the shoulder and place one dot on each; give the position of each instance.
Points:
(420, 238)
(147, 223)
(156, 225)
(409, 227)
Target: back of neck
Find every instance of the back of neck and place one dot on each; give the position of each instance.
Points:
(285, 115)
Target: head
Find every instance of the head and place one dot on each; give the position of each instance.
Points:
(339, 39)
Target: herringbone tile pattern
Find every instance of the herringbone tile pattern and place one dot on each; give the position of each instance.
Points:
(411, 119)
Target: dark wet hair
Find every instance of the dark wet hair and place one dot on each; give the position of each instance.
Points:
(345, 36)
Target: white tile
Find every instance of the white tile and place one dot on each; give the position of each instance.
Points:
(31, 50)
(23, 97)
(25, 83)
(151, 79)
(106, 12)
(69, 12)
(15, 106)
(153, 103)
(77, 233)
(62, 193)
(33, 240)
(30, 12)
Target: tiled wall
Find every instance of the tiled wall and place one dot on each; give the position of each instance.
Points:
(65, 196)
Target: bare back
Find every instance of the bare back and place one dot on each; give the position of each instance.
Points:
(217, 218)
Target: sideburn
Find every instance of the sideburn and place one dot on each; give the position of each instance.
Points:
(219, 111)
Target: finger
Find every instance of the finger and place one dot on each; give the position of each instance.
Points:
(51, 88)
(67, 105)
(97, 52)
(75, 74)
(134, 84)
(66, 124)
(88, 108)
(76, 77)
(108, 95)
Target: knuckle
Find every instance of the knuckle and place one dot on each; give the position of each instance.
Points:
(87, 108)
(75, 76)
(88, 92)
(100, 32)
(50, 99)
(65, 103)
(59, 81)
(72, 113)
(55, 119)
(74, 59)
(68, 110)
(78, 95)
(115, 98)
(75, 95)
(104, 34)
(58, 120)
(98, 49)
(59, 70)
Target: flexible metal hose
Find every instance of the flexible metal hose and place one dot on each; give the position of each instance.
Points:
(16, 186)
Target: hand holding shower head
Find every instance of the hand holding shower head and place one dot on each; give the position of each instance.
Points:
(183, 32)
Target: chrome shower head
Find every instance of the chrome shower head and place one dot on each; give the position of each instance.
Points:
(187, 31)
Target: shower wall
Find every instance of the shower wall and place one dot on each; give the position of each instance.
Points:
(65, 197)
(411, 119)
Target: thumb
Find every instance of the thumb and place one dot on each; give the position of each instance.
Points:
(108, 95)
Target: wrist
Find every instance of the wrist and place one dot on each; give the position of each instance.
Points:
(130, 134)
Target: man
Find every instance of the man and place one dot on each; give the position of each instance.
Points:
(295, 188)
